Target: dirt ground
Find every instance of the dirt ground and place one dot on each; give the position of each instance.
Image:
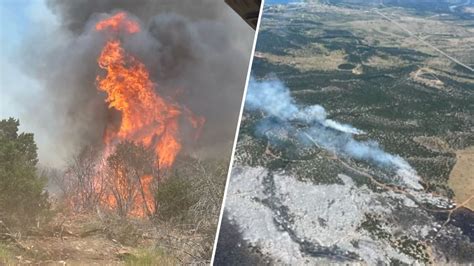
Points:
(88, 239)
(461, 179)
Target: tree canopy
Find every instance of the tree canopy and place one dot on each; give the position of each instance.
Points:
(22, 195)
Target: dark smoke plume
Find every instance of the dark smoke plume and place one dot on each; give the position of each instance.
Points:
(75, 14)
(197, 52)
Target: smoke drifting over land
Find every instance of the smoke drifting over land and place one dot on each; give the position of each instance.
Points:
(311, 126)
(196, 51)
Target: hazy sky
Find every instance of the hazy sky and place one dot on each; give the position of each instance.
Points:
(18, 18)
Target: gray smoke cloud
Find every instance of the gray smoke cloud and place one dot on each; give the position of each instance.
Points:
(310, 126)
(197, 51)
(75, 14)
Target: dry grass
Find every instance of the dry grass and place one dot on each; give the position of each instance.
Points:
(433, 143)
(6, 256)
(308, 59)
(149, 256)
(461, 179)
(384, 61)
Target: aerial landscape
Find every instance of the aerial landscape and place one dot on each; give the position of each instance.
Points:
(356, 143)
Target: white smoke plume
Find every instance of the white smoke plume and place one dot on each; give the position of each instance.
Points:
(311, 126)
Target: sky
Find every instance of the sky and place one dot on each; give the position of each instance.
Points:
(18, 18)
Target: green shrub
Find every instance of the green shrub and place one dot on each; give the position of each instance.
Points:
(174, 198)
(22, 195)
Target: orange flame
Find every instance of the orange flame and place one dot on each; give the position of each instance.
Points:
(146, 117)
(118, 21)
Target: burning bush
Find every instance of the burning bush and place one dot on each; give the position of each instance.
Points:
(81, 179)
(124, 182)
(147, 136)
(131, 177)
(22, 195)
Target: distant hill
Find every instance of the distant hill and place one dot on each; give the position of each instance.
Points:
(459, 7)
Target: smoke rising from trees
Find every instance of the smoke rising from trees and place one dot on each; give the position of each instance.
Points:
(311, 126)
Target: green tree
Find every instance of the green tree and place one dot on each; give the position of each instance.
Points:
(22, 194)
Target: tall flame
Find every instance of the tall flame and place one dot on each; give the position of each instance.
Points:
(117, 22)
(146, 117)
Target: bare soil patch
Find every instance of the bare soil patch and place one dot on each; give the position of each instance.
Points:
(461, 179)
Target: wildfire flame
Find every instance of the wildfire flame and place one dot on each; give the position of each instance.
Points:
(146, 117)
(118, 21)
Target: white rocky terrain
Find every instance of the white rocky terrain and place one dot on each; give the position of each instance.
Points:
(298, 222)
